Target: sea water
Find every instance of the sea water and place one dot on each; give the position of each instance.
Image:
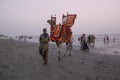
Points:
(112, 47)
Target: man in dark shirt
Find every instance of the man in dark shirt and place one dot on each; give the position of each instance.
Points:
(44, 45)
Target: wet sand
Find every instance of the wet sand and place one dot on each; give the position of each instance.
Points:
(21, 61)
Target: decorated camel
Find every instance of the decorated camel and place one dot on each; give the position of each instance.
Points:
(61, 33)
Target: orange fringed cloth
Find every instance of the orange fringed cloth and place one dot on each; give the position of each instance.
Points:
(69, 19)
(60, 33)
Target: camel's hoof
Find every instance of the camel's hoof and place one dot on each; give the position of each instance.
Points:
(86, 50)
(64, 55)
(70, 55)
(59, 59)
(45, 62)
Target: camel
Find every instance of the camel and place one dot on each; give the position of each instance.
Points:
(61, 33)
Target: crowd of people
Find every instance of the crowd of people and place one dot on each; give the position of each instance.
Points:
(85, 41)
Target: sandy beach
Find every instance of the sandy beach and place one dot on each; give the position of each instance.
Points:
(21, 61)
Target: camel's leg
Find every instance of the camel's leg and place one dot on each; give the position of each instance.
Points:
(67, 48)
(71, 47)
(59, 53)
(70, 50)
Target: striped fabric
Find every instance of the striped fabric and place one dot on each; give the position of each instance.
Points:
(62, 32)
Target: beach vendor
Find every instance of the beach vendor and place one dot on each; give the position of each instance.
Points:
(44, 45)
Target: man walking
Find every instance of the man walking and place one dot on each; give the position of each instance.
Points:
(44, 45)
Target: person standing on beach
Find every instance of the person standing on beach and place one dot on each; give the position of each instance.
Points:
(114, 39)
(84, 43)
(89, 40)
(44, 45)
(93, 40)
(81, 42)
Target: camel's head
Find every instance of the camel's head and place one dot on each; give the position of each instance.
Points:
(52, 21)
(49, 22)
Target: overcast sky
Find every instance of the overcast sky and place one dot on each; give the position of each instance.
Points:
(29, 16)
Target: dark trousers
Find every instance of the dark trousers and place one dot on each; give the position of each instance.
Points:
(44, 54)
(84, 46)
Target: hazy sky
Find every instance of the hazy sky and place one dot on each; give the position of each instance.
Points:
(29, 16)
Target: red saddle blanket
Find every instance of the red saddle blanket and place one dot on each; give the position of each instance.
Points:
(60, 33)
